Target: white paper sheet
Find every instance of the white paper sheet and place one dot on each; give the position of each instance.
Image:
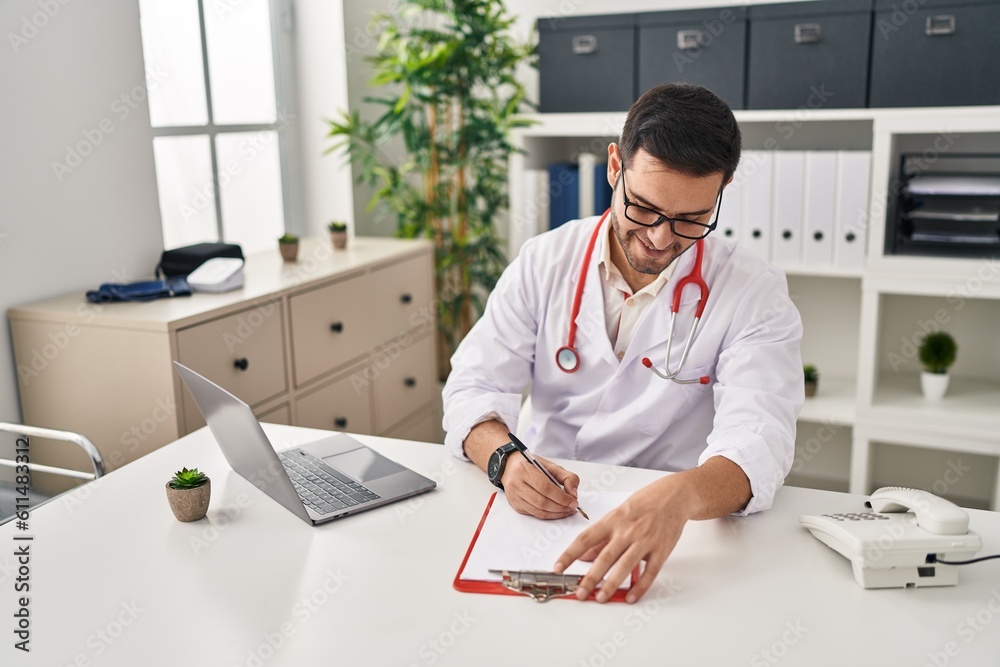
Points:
(514, 541)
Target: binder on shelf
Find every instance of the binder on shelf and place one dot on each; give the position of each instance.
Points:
(504, 557)
(564, 193)
(820, 206)
(533, 215)
(789, 169)
(852, 208)
(731, 215)
(757, 167)
(587, 162)
(602, 189)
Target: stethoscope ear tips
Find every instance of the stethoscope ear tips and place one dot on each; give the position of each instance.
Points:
(704, 379)
(646, 362)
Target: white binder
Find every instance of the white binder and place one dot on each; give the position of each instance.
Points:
(789, 176)
(731, 213)
(853, 169)
(587, 162)
(821, 190)
(757, 168)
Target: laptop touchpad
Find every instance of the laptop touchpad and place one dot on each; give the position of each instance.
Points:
(363, 464)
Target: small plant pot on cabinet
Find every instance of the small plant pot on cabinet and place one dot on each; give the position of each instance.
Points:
(339, 240)
(811, 388)
(934, 385)
(190, 504)
(289, 251)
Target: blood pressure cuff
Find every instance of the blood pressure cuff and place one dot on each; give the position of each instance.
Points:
(141, 291)
(182, 261)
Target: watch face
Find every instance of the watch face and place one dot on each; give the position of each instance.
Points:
(493, 467)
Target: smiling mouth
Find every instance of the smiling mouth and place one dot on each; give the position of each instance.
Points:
(651, 251)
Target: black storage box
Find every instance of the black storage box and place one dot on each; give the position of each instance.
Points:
(938, 53)
(586, 63)
(182, 261)
(701, 46)
(809, 54)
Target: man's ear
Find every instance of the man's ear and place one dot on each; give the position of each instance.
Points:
(614, 164)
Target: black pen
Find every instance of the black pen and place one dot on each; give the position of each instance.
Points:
(533, 461)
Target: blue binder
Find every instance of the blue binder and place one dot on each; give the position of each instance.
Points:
(564, 193)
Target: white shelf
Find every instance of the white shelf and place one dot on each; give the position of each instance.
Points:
(971, 407)
(822, 271)
(834, 403)
(609, 123)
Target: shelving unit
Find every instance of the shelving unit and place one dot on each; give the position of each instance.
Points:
(869, 425)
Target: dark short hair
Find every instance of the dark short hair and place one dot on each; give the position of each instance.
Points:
(686, 127)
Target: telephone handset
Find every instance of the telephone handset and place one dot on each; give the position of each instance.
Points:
(898, 542)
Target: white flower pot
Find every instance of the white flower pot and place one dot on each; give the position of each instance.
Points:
(934, 385)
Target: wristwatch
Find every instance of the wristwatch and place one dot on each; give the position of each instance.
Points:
(498, 461)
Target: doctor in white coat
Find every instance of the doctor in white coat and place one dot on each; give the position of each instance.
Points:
(725, 423)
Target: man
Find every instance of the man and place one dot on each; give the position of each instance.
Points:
(728, 430)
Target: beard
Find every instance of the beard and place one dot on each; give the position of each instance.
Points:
(636, 259)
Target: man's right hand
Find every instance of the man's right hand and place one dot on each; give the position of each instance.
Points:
(529, 491)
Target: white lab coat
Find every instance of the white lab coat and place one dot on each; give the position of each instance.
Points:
(620, 412)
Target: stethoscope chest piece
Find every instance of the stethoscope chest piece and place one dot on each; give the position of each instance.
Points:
(568, 359)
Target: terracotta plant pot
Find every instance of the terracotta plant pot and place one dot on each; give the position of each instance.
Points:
(189, 504)
(811, 388)
(339, 240)
(289, 251)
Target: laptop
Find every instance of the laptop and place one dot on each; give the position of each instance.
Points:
(317, 482)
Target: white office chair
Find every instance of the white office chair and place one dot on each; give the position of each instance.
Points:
(8, 490)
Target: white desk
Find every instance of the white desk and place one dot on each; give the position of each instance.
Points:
(116, 580)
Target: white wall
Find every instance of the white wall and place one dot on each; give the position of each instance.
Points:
(321, 84)
(75, 71)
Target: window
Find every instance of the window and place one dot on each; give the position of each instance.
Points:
(214, 104)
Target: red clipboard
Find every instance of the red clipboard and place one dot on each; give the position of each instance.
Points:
(496, 588)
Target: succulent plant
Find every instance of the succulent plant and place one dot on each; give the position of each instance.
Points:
(337, 226)
(188, 479)
(288, 238)
(811, 374)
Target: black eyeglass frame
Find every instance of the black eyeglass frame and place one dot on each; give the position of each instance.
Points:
(673, 227)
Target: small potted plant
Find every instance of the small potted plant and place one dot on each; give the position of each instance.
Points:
(338, 234)
(288, 244)
(812, 379)
(937, 353)
(188, 493)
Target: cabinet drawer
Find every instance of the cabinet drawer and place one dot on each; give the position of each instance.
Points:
(243, 353)
(278, 415)
(809, 54)
(331, 325)
(402, 297)
(343, 405)
(404, 380)
(425, 427)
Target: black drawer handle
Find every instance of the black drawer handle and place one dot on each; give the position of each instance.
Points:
(818, 236)
(756, 233)
(850, 237)
(340, 422)
(337, 327)
(940, 25)
(787, 234)
(410, 382)
(242, 363)
(807, 33)
(584, 44)
(406, 298)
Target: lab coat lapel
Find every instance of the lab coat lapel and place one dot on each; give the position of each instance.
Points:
(591, 321)
(652, 330)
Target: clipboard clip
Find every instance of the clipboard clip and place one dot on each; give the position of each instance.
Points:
(538, 585)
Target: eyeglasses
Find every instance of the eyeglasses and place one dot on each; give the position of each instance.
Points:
(688, 229)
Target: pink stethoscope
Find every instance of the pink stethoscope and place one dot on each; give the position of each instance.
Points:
(567, 356)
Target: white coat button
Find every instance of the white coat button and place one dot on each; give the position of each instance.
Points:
(621, 355)
(631, 302)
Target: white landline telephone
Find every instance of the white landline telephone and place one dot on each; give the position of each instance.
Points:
(219, 274)
(899, 542)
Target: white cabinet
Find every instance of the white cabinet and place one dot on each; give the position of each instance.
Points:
(863, 311)
(340, 340)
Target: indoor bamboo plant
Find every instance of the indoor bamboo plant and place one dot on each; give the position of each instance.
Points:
(446, 71)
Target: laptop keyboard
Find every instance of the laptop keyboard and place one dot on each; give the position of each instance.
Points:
(323, 489)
